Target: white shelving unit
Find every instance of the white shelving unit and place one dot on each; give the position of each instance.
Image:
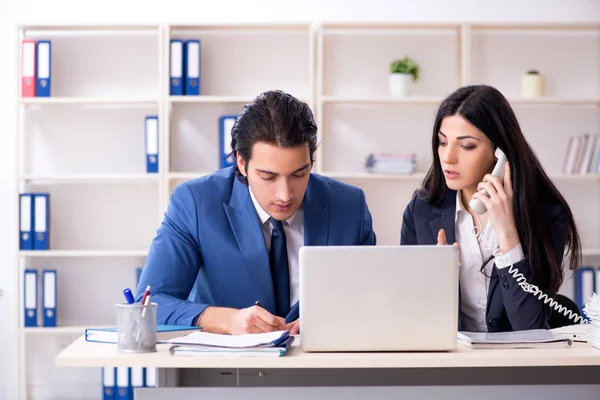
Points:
(85, 145)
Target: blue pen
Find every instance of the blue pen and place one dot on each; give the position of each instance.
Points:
(128, 296)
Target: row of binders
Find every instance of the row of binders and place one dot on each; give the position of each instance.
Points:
(48, 290)
(226, 123)
(36, 60)
(31, 299)
(184, 71)
(118, 383)
(34, 221)
(587, 282)
(391, 163)
(583, 155)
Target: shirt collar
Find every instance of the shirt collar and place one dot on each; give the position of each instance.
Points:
(459, 205)
(263, 215)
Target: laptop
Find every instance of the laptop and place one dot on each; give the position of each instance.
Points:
(378, 298)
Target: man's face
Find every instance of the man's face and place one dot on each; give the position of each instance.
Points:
(277, 177)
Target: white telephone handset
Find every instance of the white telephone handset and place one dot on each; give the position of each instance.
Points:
(476, 204)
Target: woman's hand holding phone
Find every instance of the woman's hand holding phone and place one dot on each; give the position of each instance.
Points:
(499, 206)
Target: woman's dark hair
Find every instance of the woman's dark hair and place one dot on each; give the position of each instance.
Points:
(489, 111)
(276, 118)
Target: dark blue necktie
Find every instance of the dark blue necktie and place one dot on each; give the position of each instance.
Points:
(280, 271)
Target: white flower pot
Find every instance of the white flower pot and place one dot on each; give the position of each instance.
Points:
(400, 84)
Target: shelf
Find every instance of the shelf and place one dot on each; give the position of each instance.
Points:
(59, 330)
(92, 178)
(83, 253)
(382, 99)
(591, 252)
(186, 175)
(421, 176)
(385, 27)
(89, 30)
(555, 101)
(218, 99)
(517, 26)
(210, 99)
(242, 27)
(366, 175)
(88, 101)
(438, 100)
(575, 177)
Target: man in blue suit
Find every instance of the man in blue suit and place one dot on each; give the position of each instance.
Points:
(230, 240)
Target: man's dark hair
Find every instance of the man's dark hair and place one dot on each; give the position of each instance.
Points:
(276, 118)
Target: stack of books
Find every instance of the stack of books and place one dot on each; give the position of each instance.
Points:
(583, 155)
(391, 163)
(592, 310)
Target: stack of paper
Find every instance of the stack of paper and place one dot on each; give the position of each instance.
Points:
(270, 344)
(592, 310)
(576, 332)
(534, 338)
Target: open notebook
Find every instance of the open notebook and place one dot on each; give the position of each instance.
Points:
(270, 344)
(534, 338)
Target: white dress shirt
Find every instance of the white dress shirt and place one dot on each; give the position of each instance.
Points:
(294, 235)
(474, 283)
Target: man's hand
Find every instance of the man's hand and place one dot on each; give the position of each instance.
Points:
(293, 327)
(255, 319)
(236, 322)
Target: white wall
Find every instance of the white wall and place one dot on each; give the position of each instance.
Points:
(13, 12)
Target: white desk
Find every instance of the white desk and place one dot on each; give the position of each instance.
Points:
(579, 364)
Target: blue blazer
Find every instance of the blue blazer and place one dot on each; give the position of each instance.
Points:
(508, 306)
(210, 248)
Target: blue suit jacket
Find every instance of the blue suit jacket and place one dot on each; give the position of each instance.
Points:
(210, 248)
(508, 306)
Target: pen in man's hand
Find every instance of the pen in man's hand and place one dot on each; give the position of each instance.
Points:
(258, 303)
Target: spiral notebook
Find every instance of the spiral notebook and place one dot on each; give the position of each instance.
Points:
(270, 344)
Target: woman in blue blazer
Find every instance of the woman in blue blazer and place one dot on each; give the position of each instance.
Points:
(523, 235)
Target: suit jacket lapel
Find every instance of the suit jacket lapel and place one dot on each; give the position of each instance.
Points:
(446, 213)
(246, 228)
(316, 218)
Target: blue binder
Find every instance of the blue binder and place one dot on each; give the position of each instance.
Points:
(584, 285)
(43, 68)
(108, 383)
(226, 123)
(26, 221)
(192, 67)
(123, 390)
(138, 275)
(30, 298)
(150, 377)
(41, 221)
(137, 377)
(176, 68)
(152, 144)
(49, 297)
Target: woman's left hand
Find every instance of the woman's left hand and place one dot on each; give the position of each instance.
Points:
(500, 208)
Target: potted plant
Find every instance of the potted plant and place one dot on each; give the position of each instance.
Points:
(403, 72)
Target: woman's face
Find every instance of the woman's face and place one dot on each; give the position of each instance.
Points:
(466, 154)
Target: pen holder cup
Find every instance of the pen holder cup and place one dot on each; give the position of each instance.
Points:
(136, 328)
